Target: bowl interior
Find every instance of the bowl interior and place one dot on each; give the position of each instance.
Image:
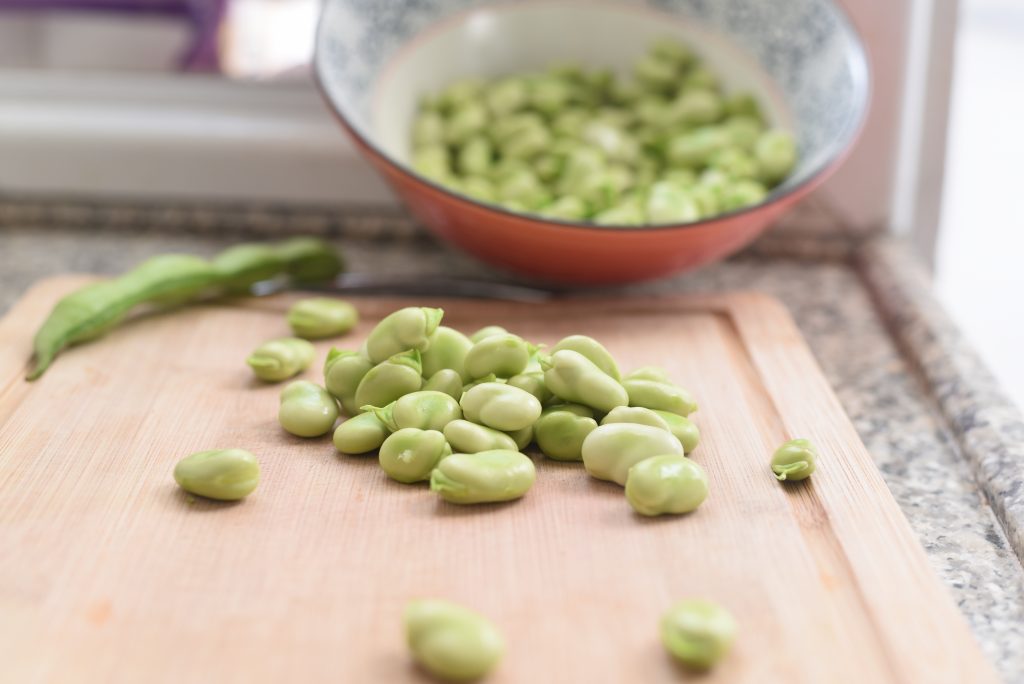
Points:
(801, 57)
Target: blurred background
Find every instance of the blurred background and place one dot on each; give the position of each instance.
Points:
(213, 100)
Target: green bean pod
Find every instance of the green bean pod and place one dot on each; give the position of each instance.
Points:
(242, 266)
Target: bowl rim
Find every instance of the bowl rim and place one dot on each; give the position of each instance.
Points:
(858, 60)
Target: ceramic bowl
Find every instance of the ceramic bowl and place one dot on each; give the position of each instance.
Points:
(375, 59)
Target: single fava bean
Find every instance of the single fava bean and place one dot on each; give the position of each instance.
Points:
(360, 434)
(593, 350)
(487, 331)
(448, 348)
(795, 460)
(522, 437)
(659, 396)
(387, 381)
(425, 410)
(532, 382)
(483, 477)
(445, 380)
(410, 454)
(343, 371)
(406, 329)
(573, 377)
(281, 359)
(451, 642)
(637, 415)
(307, 409)
(500, 406)
(561, 429)
(683, 428)
(503, 355)
(697, 632)
(222, 474)
(471, 438)
(654, 373)
(666, 484)
(321, 317)
(611, 450)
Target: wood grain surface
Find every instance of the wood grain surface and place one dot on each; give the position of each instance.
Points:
(110, 573)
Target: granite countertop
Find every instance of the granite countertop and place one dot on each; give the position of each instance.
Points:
(947, 442)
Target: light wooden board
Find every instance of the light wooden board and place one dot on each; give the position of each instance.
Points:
(108, 573)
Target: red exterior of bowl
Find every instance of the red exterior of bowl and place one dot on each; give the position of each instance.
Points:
(577, 254)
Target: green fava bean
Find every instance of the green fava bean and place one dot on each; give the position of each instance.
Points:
(593, 350)
(742, 193)
(683, 428)
(697, 632)
(481, 381)
(470, 438)
(242, 266)
(561, 429)
(795, 460)
(487, 331)
(279, 360)
(655, 373)
(425, 410)
(775, 152)
(522, 437)
(406, 329)
(222, 474)
(532, 382)
(310, 260)
(573, 377)
(343, 371)
(666, 484)
(611, 450)
(501, 355)
(474, 158)
(668, 203)
(409, 455)
(387, 381)
(659, 396)
(447, 349)
(483, 477)
(635, 414)
(500, 406)
(445, 380)
(360, 434)
(450, 642)
(321, 317)
(307, 409)
(428, 129)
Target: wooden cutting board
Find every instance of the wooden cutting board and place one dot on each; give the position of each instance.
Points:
(109, 573)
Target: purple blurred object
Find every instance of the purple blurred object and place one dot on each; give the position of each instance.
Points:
(204, 15)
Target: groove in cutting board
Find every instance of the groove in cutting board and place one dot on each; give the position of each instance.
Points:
(108, 573)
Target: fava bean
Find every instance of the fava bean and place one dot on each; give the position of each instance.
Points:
(666, 484)
(500, 406)
(320, 317)
(659, 396)
(223, 474)
(384, 383)
(698, 632)
(502, 355)
(445, 380)
(483, 477)
(343, 371)
(425, 410)
(573, 377)
(447, 348)
(406, 329)
(561, 429)
(360, 434)
(795, 460)
(307, 409)
(279, 360)
(609, 451)
(683, 428)
(593, 350)
(637, 415)
(409, 455)
(451, 642)
(471, 438)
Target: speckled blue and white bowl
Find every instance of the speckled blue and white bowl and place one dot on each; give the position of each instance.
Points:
(376, 58)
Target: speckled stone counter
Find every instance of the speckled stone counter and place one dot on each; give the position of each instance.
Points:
(947, 445)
